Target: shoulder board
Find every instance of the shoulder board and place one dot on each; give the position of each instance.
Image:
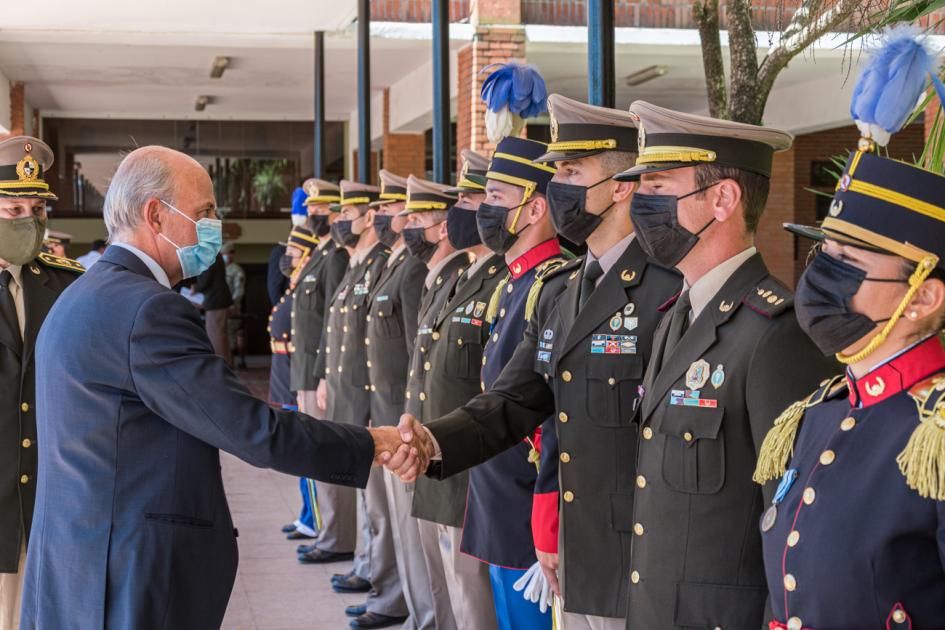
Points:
(779, 442)
(769, 298)
(60, 263)
(573, 264)
(548, 267)
(922, 461)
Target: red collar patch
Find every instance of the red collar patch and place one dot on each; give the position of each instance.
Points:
(898, 374)
(534, 257)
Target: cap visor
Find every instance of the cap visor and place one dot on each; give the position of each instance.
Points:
(30, 195)
(461, 189)
(812, 232)
(382, 202)
(815, 233)
(557, 156)
(633, 174)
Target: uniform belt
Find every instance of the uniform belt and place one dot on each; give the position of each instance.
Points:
(281, 347)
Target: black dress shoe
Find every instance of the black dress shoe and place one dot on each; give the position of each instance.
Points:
(341, 576)
(304, 548)
(297, 535)
(288, 529)
(320, 556)
(350, 584)
(356, 611)
(375, 620)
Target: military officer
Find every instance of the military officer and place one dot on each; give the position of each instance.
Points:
(497, 524)
(56, 242)
(855, 534)
(317, 281)
(341, 366)
(727, 358)
(30, 281)
(582, 360)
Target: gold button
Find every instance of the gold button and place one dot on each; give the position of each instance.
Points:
(482, 385)
(495, 337)
(355, 307)
(641, 481)
(339, 368)
(408, 395)
(367, 341)
(423, 349)
(327, 349)
(827, 457)
(24, 407)
(647, 433)
(342, 348)
(423, 396)
(611, 381)
(27, 443)
(373, 388)
(367, 388)
(795, 623)
(427, 366)
(483, 360)
(793, 538)
(635, 577)
(566, 376)
(459, 342)
(345, 328)
(328, 329)
(568, 496)
(25, 479)
(809, 495)
(847, 424)
(790, 584)
(563, 417)
(502, 312)
(509, 289)
(565, 457)
(436, 336)
(368, 318)
(899, 616)
(638, 529)
(369, 364)
(292, 331)
(687, 436)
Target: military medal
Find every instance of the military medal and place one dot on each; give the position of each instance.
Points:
(616, 322)
(771, 514)
(697, 375)
(470, 307)
(629, 308)
(479, 309)
(718, 376)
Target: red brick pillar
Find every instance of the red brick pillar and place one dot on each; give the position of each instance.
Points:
(774, 242)
(17, 110)
(499, 38)
(404, 153)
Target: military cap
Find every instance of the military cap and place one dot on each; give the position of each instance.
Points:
(59, 238)
(472, 179)
(580, 130)
(334, 207)
(356, 193)
(24, 160)
(514, 163)
(320, 191)
(424, 195)
(669, 139)
(302, 238)
(393, 188)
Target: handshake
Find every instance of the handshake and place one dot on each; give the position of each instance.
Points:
(405, 450)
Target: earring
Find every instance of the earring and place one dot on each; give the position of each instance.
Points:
(913, 314)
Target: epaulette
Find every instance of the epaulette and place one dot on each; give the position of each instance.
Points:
(60, 263)
(778, 445)
(922, 461)
(545, 270)
(770, 298)
(572, 265)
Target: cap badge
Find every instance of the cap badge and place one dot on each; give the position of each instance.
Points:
(844, 182)
(641, 135)
(836, 207)
(27, 169)
(554, 124)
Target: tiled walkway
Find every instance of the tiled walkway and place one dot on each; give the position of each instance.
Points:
(273, 591)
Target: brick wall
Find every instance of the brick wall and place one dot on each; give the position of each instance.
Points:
(373, 170)
(775, 243)
(17, 110)
(414, 10)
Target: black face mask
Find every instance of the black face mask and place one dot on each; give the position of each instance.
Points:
(385, 233)
(342, 234)
(656, 221)
(286, 265)
(418, 245)
(571, 219)
(462, 228)
(318, 223)
(822, 303)
(490, 221)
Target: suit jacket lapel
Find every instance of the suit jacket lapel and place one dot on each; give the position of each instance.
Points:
(38, 298)
(386, 274)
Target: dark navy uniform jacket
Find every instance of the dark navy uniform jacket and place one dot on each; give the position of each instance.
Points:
(852, 546)
(280, 340)
(501, 489)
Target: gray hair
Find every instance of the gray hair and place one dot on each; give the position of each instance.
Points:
(144, 174)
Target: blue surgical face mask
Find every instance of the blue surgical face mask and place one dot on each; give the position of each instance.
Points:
(197, 258)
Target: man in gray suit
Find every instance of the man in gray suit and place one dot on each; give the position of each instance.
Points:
(131, 414)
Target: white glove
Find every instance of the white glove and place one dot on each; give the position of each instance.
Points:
(536, 587)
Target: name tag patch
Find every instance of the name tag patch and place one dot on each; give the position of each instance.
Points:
(361, 289)
(544, 356)
(613, 344)
(467, 320)
(690, 398)
(382, 298)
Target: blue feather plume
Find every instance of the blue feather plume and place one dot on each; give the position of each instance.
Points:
(298, 201)
(890, 86)
(512, 93)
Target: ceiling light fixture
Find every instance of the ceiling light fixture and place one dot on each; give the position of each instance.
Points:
(202, 102)
(647, 74)
(219, 65)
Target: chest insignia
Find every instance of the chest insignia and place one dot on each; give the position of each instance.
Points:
(629, 308)
(470, 307)
(613, 344)
(383, 298)
(630, 323)
(697, 375)
(616, 322)
(690, 398)
(718, 376)
(479, 309)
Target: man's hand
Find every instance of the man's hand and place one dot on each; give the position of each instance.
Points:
(387, 445)
(321, 395)
(411, 463)
(549, 566)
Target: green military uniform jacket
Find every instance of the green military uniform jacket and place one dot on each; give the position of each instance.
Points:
(41, 281)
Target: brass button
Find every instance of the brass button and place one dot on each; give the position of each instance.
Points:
(565, 457)
(635, 577)
(427, 366)
(827, 457)
(563, 417)
(436, 336)
(568, 496)
(367, 341)
(641, 481)
(24, 407)
(482, 385)
(611, 381)
(369, 364)
(793, 538)
(508, 289)
(687, 436)
(292, 331)
(638, 529)
(423, 349)
(355, 307)
(408, 395)
(790, 584)
(483, 360)
(328, 329)
(423, 396)
(647, 433)
(345, 328)
(373, 388)
(367, 388)
(848, 423)
(343, 348)
(899, 616)
(459, 342)
(502, 312)
(25, 479)
(795, 623)
(327, 349)
(566, 376)
(809, 495)
(27, 443)
(339, 368)
(369, 318)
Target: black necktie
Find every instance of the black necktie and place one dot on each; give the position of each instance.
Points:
(677, 325)
(8, 308)
(592, 272)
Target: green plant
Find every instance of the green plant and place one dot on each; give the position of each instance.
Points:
(269, 183)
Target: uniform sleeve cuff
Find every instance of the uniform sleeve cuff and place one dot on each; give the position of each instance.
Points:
(545, 522)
